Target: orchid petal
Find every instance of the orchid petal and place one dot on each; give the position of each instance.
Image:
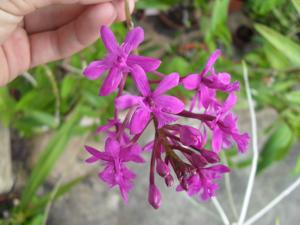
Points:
(112, 147)
(191, 82)
(230, 102)
(109, 39)
(147, 63)
(127, 101)
(210, 62)
(133, 39)
(169, 104)
(95, 69)
(96, 155)
(141, 81)
(111, 82)
(167, 83)
(164, 118)
(217, 140)
(139, 120)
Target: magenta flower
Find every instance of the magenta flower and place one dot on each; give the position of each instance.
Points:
(206, 86)
(114, 158)
(162, 107)
(204, 181)
(119, 61)
(225, 130)
(224, 127)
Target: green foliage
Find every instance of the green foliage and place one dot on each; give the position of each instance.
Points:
(47, 161)
(277, 146)
(156, 4)
(283, 44)
(264, 7)
(296, 5)
(218, 28)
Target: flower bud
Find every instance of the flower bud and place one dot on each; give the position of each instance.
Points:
(162, 168)
(190, 136)
(154, 197)
(169, 180)
(210, 156)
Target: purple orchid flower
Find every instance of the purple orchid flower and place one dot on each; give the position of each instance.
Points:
(119, 61)
(206, 86)
(114, 157)
(203, 182)
(163, 107)
(224, 127)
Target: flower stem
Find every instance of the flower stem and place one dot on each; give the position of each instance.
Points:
(129, 21)
(273, 203)
(254, 146)
(202, 117)
(220, 210)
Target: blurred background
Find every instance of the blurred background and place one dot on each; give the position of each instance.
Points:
(49, 113)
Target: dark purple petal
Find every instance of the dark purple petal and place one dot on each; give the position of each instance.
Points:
(127, 101)
(191, 81)
(162, 168)
(111, 82)
(141, 81)
(139, 120)
(167, 83)
(109, 39)
(95, 69)
(219, 169)
(169, 104)
(147, 63)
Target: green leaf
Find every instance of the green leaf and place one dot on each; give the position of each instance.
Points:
(47, 160)
(218, 25)
(293, 97)
(179, 64)
(296, 3)
(37, 220)
(283, 44)
(296, 170)
(262, 7)
(276, 147)
(156, 4)
(39, 204)
(276, 59)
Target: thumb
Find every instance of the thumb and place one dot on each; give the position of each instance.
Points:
(22, 8)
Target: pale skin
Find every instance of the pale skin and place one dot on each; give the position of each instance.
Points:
(34, 32)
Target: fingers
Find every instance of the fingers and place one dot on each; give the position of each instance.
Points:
(120, 7)
(53, 17)
(73, 37)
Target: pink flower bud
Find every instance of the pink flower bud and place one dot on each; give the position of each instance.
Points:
(162, 168)
(169, 180)
(154, 197)
(190, 136)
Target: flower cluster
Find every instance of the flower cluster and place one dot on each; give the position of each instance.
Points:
(187, 153)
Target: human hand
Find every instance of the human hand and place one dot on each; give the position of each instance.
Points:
(34, 32)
